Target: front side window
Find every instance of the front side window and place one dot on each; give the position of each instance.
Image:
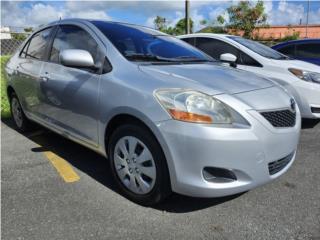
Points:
(259, 48)
(288, 50)
(73, 37)
(308, 50)
(35, 48)
(215, 48)
(245, 59)
(142, 44)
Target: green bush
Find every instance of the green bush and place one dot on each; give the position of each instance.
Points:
(215, 29)
(291, 37)
(5, 107)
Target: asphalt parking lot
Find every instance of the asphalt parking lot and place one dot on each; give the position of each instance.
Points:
(37, 203)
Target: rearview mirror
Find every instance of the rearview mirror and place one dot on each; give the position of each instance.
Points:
(229, 58)
(76, 58)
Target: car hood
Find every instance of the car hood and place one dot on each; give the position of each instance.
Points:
(211, 78)
(298, 64)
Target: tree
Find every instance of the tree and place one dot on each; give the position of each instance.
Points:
(19, 36)
(28, 29)
(213, 29)
(221, 20)
(246, 16)
(204, 22)
(181, 26)
(213, 26)
(160, 23)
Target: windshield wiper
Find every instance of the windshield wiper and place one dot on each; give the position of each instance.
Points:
(286, 58)
(192, 59)
(150, 57)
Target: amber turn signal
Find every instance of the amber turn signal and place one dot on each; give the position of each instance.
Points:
(296, 72)
(190, 117)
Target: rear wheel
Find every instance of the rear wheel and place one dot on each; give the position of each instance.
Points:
(19, 118)
(138, 165)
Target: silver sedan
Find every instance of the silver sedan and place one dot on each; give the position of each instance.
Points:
(167, 116)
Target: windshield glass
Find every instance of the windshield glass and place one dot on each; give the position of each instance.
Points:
(144, 44)
(259, 48)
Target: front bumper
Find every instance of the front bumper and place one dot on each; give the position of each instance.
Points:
(308, 98)
(246, 152)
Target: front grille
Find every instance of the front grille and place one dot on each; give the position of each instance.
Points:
(280, 164)
(281, 118)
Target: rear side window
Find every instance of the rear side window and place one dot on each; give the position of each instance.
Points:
(73, 37)
(191, 41)
(215, 48)
(288, 50)
(308, 50)
(36, 46)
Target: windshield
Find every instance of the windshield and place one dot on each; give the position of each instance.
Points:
(144, 44)
(259, 48)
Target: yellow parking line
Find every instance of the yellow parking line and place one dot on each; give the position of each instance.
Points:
(63, 167)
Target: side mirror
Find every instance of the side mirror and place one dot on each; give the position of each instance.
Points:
(76, 58)
(229, 58)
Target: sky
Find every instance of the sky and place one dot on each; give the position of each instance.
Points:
(34, 13)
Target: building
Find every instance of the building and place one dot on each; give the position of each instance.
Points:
(278, 32)
(5, 33)
(274, 32)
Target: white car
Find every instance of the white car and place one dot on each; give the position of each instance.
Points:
(300, 78)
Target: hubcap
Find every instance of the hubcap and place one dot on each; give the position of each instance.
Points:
(134, 165)
(16, 112)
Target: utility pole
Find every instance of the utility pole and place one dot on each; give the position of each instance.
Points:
(187, 20)
(307, 18)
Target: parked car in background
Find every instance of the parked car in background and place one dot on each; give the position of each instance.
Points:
(300, 78)
(306, 50)
(166, 115)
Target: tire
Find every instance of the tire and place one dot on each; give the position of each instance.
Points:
(144, 179)
(20, 120)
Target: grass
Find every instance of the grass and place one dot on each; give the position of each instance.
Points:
(5, 107)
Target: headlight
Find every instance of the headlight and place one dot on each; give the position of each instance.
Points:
(306, 75)
(193, 106)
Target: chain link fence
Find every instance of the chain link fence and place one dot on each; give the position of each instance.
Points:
(10, 41)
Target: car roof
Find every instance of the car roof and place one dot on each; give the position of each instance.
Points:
(82, 20)
(209, 35)
(309, 40)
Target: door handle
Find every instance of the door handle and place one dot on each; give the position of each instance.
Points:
(16, 71)
(44, 79)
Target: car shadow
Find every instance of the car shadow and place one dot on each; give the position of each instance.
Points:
(309, 123)
(97, 167)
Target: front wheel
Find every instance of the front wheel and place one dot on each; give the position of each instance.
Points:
(138, 165)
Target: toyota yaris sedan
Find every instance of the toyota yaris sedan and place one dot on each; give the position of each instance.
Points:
(167, 116)
(300, 78)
